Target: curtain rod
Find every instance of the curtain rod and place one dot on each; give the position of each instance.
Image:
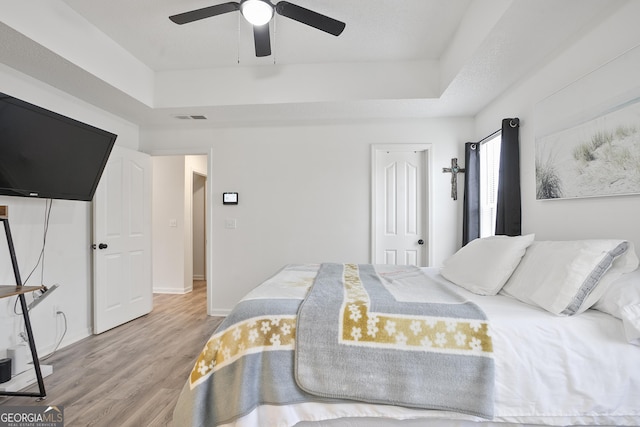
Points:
(483, 140)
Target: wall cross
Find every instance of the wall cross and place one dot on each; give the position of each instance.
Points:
(454, 170)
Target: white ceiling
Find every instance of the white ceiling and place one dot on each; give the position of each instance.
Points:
(455, 57)
(390, 31)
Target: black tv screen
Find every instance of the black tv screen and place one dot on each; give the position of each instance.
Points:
(45, 154)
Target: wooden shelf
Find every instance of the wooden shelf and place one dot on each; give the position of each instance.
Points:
(12, 290)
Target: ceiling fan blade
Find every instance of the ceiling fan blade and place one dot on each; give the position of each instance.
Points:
(262, 40)
(205, 12)
(311, 18)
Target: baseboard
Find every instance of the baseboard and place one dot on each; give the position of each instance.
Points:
(220, 312)
(67, 341)
(74, 339)
(25, 379)
(199, 277)
(172, 291)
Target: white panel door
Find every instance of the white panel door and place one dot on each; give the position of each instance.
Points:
(400, 220)
(122, 240)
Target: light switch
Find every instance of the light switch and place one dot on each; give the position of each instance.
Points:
(230, 223)
(173, 222)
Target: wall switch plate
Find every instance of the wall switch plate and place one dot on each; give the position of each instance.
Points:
(230, 223)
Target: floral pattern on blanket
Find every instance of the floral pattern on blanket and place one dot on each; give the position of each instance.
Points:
(361, 326)
(250, 336)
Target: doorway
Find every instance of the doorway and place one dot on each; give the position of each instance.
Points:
(179, 217)
(400, 208)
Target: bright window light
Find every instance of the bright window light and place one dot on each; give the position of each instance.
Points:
(257, 12)
(489, 173)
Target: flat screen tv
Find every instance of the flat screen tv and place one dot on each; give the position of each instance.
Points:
(47, 155)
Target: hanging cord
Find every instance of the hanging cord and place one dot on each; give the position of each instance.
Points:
(47, 215)
(64, 332)
(40, 261)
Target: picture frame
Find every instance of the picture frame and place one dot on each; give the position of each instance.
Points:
(592, 151)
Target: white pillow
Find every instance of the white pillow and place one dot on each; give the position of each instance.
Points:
(623, 291)
(631, 323)
(568, 277)
(622, 300)
(484, 265)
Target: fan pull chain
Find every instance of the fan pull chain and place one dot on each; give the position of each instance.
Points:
(275, 27)
(238, 38)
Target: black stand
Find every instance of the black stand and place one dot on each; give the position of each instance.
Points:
(20, 291)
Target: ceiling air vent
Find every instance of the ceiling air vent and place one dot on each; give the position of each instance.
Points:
(190, 117)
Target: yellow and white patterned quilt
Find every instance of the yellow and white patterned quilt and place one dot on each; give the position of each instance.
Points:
(357, 341)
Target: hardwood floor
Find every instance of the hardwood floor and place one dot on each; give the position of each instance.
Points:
(131, 375)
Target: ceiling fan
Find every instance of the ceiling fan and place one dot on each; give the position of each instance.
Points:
(259, 13)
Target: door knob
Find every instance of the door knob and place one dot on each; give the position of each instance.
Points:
(421, 242)
(102, 246)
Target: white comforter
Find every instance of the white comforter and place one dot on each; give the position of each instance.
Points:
(549, 370)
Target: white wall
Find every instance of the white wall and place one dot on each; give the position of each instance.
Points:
(604, 217)
(198, 226)
(68, 255)
(304, 193)
(168, 226)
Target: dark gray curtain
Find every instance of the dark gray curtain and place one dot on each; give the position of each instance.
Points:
(508, 215)
(471, 205)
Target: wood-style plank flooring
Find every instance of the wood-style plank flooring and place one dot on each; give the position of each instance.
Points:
(131, 375)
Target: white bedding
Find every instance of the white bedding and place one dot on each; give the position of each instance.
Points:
(550, 370)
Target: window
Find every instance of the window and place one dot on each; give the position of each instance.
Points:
(489, 172)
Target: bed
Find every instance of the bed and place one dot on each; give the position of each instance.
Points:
(509, 331)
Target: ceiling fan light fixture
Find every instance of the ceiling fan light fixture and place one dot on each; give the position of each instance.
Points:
(257, 12)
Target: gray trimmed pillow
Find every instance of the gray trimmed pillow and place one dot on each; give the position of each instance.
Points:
(568, 277)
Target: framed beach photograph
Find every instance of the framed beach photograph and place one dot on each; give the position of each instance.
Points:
(595, 151)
